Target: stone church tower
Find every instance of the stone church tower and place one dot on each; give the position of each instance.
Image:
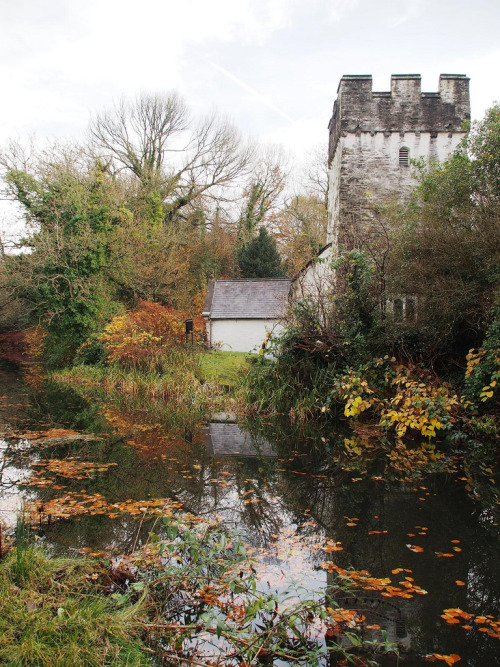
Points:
(373, 137)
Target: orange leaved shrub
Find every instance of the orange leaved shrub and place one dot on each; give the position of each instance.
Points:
(139, 338)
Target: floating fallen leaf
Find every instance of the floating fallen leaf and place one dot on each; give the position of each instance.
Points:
(330, 547)
(364, 580)
(449, 659)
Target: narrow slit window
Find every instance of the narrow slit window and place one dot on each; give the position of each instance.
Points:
(404, 157)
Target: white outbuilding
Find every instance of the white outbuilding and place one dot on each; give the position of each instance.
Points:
(240, 313)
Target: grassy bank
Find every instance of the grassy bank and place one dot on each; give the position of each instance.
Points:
(206, 380)
(226, 368)
(53, 613)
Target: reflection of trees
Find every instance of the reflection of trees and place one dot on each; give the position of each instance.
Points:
(260, 516)
(325, 488)
(99, 532)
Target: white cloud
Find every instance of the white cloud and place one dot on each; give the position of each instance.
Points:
(261, 98)
(278, 59)
(411, 9)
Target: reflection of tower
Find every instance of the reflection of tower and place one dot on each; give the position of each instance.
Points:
(373, 137)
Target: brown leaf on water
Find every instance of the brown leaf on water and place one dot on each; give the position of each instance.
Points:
(449, 659)
(330, 547)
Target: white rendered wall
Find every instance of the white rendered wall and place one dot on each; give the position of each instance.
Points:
(241, 335)
(317, 279)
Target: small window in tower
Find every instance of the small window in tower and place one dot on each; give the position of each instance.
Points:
(404, 157)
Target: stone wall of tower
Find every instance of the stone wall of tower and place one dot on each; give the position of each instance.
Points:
(367, 131)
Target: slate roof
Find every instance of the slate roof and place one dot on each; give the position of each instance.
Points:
(255, 298)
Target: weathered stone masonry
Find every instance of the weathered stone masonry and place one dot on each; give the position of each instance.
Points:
(373, 135)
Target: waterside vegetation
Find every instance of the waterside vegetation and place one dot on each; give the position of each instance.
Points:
(190, 596)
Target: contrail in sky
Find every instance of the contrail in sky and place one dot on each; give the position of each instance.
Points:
(251, 90)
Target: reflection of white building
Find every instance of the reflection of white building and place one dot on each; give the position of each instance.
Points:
(225, 439)
(240, 313)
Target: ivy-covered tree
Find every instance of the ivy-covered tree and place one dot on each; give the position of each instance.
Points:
(446, 244)
(61, 274)
(259, 257)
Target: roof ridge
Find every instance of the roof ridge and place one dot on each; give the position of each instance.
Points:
(247, 280)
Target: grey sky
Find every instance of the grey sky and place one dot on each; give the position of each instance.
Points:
(271, 65)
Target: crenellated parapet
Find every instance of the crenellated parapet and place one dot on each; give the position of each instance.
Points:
(373, 137)
(405, 108)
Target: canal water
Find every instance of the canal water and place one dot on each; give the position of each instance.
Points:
(308, 501)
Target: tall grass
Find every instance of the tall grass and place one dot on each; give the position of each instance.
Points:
(177, 376)
(285, 386)
(52, 614)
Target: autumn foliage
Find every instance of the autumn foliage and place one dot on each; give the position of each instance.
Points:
(405, 398)
(134, 339)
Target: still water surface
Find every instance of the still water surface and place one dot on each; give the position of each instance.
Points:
(287, 490)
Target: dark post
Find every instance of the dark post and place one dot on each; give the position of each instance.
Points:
(189, 330)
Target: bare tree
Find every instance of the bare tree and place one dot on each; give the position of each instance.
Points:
(262, 194)
(154, 138)
(138, 134)
(316, 174)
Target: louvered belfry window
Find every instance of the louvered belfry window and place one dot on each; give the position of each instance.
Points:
(404, 157)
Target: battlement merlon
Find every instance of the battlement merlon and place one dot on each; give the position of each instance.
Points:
(404, 108)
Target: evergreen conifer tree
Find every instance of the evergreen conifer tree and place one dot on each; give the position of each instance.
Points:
(259, 257)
